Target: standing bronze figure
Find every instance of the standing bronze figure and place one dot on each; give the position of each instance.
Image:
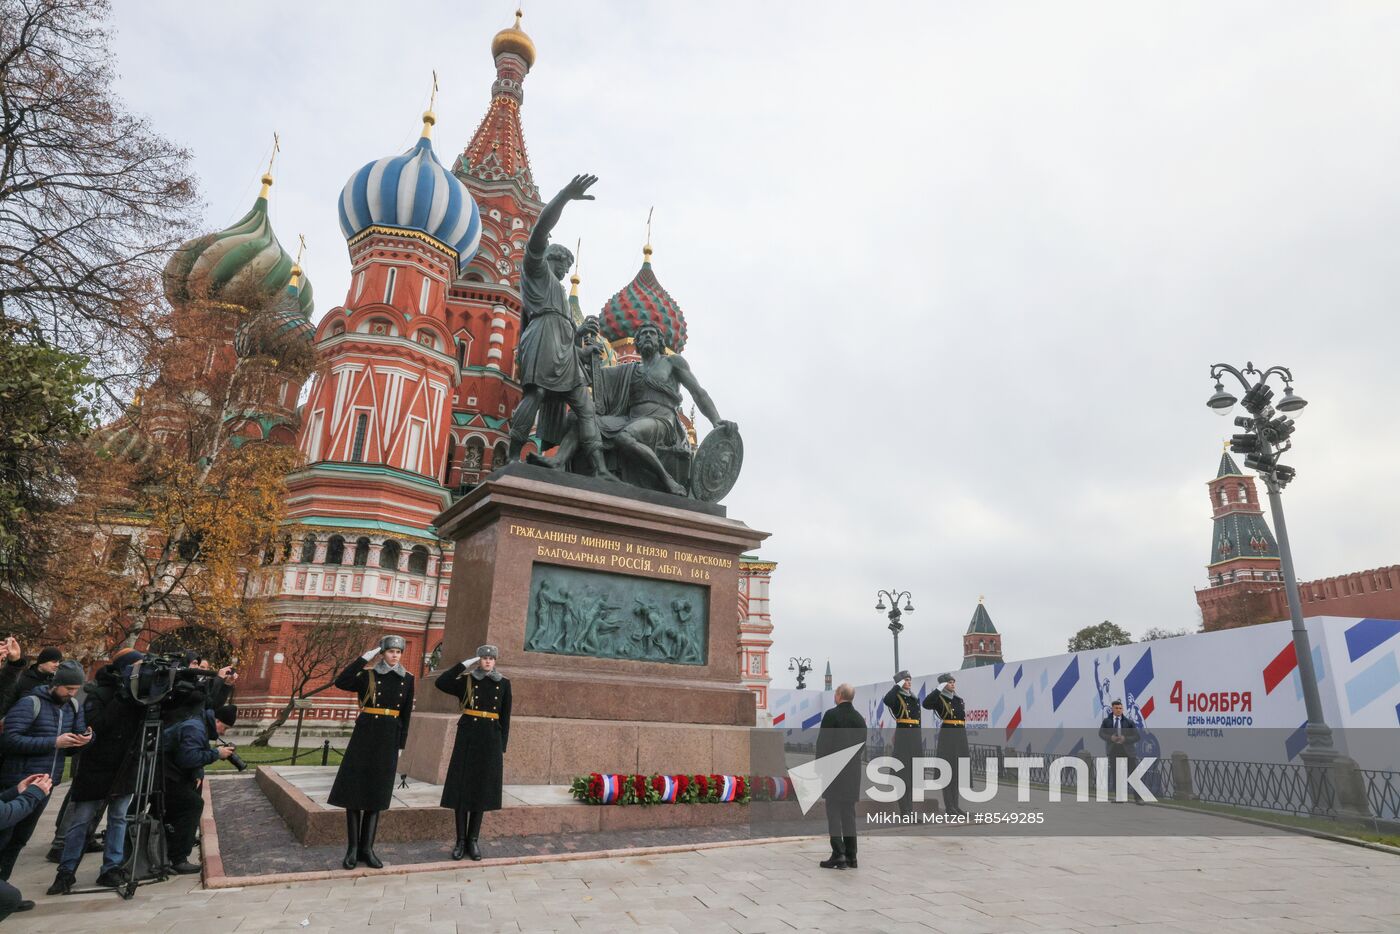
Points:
(476, 772)
(364, 784)
(551, 368)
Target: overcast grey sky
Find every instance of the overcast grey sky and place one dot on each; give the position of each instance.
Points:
(958, 270)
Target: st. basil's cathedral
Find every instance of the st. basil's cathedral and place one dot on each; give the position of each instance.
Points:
(414, 384)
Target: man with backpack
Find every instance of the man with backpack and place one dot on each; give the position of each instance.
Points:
(41, 730)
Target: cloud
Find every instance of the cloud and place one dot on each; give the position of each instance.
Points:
(957, 270)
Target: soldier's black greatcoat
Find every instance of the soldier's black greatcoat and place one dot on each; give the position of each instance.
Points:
(908, 738)
(475, 774)
(952, 738)
(365, 780)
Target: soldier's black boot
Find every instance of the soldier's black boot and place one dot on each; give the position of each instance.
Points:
(352, 834)
(838, 855)
(850, 848)
(368, 827)
(460, 850)
(474, 829)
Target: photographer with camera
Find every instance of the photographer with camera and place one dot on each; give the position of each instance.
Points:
(16, 804)
(185, 744)
(40, 731)
(108, 773)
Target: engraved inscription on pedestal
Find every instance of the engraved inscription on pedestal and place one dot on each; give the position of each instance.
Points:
(574, 611)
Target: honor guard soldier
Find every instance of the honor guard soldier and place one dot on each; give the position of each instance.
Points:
(364, 784)
(952, 735)
(908, 735)
(475, 774)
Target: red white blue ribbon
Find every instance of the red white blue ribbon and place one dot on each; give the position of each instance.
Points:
(668, 788)
(728, 787)
(612, 787)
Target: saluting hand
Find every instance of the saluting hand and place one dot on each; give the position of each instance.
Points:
(12, 649)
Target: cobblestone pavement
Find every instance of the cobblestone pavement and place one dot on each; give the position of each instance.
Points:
(1146, 885)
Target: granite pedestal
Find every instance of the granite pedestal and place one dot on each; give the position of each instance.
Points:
(573, 713)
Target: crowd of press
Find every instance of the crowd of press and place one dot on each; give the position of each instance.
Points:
(59, 722)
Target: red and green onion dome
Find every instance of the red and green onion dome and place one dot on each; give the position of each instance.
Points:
(241, 265)
(287, 321)
(644, 300)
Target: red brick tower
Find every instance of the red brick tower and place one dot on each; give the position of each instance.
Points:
(1244, 563)
(981, 642)
(483, 306)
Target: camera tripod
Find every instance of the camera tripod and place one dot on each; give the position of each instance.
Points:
(149, 799)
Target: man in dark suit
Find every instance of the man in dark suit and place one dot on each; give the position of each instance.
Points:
(1120, 736)
(842, 727)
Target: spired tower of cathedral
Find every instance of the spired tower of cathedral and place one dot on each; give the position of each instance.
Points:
(415, 384)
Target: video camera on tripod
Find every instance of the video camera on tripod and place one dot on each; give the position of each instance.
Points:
(162, 684)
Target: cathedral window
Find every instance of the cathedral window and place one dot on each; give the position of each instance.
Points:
(499, 455)
(361, 551)
(1244, 494)
(308, 549)
(357, 449)
(335, 550)
(418, 560)
(389, 555)
(389, 286)
(447, 462)
(425, 295)
(359, 284)
(118, 551)
(1224, 497)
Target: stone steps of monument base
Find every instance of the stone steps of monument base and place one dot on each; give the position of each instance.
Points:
(299, 795)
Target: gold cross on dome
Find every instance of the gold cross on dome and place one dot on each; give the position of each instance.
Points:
(276, 148)
(432, 98)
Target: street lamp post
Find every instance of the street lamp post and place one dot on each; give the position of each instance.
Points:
(801, 666)
(896, 627)
(1268, 428)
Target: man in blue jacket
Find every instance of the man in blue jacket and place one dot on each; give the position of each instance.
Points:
(187, 752)
(16, 804)
(41, 730)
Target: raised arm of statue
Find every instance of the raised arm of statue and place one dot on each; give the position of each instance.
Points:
(576, 190)
(702, 398)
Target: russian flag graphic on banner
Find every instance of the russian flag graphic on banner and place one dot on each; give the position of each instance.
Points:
(612, 787)
(727, 788)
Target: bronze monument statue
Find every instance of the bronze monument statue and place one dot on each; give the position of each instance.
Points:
(551, 370)
(638, 417)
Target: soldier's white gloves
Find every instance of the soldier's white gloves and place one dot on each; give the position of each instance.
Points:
(471, 661)
(371, 653)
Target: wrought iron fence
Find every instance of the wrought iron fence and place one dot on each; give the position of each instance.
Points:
(1382, 793)
(1270, 786)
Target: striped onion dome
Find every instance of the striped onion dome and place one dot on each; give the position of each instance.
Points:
(286, 320)
(413, 192)
(241, 264)
(641, 300)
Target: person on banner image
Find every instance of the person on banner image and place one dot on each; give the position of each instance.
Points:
(948, 707)
(475, 774)
(1120, 736)
(908, 734)
(840, 725)
(364, 783)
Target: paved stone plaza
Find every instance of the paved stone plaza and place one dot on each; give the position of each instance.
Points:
(1209, 885)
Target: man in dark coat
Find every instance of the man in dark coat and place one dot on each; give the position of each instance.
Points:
(11, 671)
(364, 783)
(41, 730)
(16, 804)
(842, 727)
(474, 776)
(903, 705)
(36, 675)
(108, 774)
(948, 707)
(1120, 736)
(186, 751)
